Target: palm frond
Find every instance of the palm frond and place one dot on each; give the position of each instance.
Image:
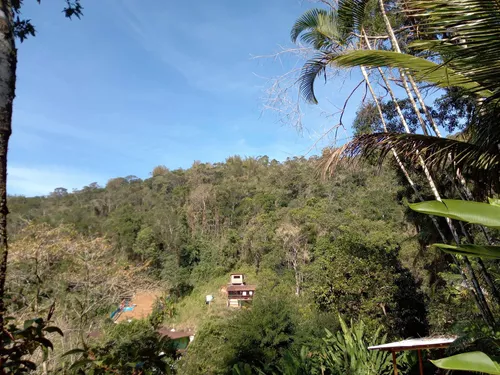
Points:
(465, 33)
(352, 13)
(476, 162)
(423, 70)
(311, 70)
(330, 159)
(327, 33)
(318, 28)
(483, 129)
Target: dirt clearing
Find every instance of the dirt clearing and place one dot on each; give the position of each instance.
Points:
(144, 302)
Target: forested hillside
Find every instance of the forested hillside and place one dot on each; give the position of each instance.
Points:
(392, 233)
(315, 249)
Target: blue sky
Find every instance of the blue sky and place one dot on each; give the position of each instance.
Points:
(129, 87)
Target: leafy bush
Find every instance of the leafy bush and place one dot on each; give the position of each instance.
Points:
(20, 343)
(346, 352)
(127, 348)
(258, 338)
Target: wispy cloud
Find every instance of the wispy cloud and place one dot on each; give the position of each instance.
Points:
(208, 70)
(42, 180)
(38, 123)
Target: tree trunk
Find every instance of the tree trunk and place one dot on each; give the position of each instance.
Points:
(487, 277)
(295, 266)
(395, 47)
(482, 268)
(424, 107)
(480, 299)
(7, 92)
(407, 129)
(490, 320)
(381, 115)
(297, 282)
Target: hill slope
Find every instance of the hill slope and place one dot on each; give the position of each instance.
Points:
(336, 246)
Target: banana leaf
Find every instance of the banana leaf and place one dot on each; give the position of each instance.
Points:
(491, 252)
(472, 212)
(473, 361)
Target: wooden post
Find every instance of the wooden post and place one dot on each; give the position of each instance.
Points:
(420, 364)
(394, 363)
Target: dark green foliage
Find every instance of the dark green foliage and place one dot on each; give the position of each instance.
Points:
(190, 226)
(303, 363)
(19, 343)
(23, 28)
(475, 336)
(158, 314)
(349, 277)
(454, 109)
(127, 348)
(164, 307)
(124, 224)
(340, 353)
(451, 111)
(346, 351)
(344, 244)
(258, 338)
(263, 333)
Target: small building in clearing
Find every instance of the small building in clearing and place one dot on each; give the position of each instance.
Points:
(238, 292)
(181, 339)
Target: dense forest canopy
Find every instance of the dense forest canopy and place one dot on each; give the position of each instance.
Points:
(344, 246)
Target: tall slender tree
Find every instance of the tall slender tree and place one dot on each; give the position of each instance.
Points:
(12, 27)
(330, 31)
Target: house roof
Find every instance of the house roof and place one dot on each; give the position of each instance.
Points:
(174, 334)
(240, 288)
(416, 344)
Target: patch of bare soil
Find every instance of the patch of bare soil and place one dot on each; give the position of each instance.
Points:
(144, 302)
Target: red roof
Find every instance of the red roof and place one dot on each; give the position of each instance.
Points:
(240, 288)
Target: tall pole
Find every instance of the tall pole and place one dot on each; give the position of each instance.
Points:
(394, 363)
(420, 364)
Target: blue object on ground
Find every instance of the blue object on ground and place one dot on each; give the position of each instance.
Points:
(128, 308)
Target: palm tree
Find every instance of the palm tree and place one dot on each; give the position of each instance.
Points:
(448, 156)
(462, 46)
(332, 33)
(322, 29)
